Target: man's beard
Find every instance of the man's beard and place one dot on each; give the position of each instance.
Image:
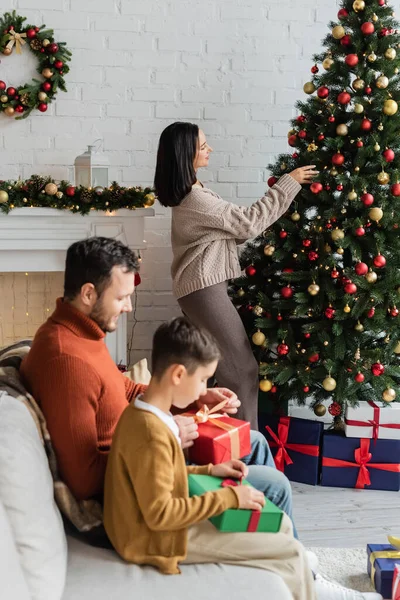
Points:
(98, 315)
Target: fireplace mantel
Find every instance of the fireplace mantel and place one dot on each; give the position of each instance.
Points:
(36, 240)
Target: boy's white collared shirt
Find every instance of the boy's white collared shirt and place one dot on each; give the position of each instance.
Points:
(168, 419)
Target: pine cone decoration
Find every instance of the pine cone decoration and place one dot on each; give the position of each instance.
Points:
(87, 196)
(24, 99)
(37, 183)
(36, 45)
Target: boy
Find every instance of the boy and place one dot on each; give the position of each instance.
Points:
(148, 514)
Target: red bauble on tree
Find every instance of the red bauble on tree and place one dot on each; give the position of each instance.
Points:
(360, 144)
(338, 159)
(342, 14)
(70, 191)
(19, 108)
(313, 256)
(330, 312)
(300, 119)
(344, 98)
(371, 313)
(351, 60)
(287, 292)
(307, 335)
(367, 199)
(314, 69)
(388, 155)
(58, 64)
(379, 261)
(360, 231)
(350, 288)
(306, 389)
(46, 86)
(394, 312)
(52, 48)
(346, 40)
(361, 268)
(3, 85)
(313, 358)
(368, 90)
(42, 107)
(321, 137)
(366, 125)
(331, 119)
(295, 155)
(395, 189)
(302, 134)
(323, 92)
(283, 349)
(11, 91)
(272, 181)
(335, 409)
(367, 28)
(359, 377)
(31, 33)
(339, 188)
(250, 271)
(292, 140)
(377, 369)
(335, 274)
(316, 187)
(283, 234)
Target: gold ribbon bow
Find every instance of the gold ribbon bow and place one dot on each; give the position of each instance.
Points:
(394, 541)
(206, 414)
(17, 39)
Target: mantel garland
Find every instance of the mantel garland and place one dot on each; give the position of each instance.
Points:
(52, 57)
(45, 192)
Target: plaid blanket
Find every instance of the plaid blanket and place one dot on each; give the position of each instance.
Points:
(84, 515)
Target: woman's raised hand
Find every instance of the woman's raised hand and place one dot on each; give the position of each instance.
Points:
(304, 174)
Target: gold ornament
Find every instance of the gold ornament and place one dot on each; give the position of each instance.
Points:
(51, 189)
(358, 109)
(319, 410)
(313, 289)
(356, 169)
(258, 338)
(312, 147)
(9, 111)
(329, 384)
(4, 99)
(327, 248)
(295, 216)
(338, 32)
(309, 87)
(3, 197)
(42, 96)
(358, 5)
(257, 310)
(45, 43)
(375, 214)
(352, 195)
(390, 107)
(333, 172)
(390, 53)
(327, 63)
(269, 250)
(382, 82)
(372, 57)
(7, 51)
(396, 70)
(342, 129)
(47, 73)
(340, 251)
(359, 327)
(383, 178)
(347, 309)
(377, 147)
(283, 166)
(358, 84)
(241, 292)
(389, 395)
(59, 195)
(265, 385)
(374, 18)
(149, 199)
(337, 234)
(371, 277)
(397, 348)
(291, 132)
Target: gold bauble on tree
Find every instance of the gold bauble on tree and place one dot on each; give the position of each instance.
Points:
(389, 395)
(3, 99)
(47, 73)
(257, 310)
(269, 250)
(371, 277)
(7, 51)
(265, 385)
(352, 195)
(309, 87)
(149, 199)
(319, 410)
(241, 292)
(340, 251)
(359, 327)
(42, 96)
(372, 57)
(375, 214)
(295, 217)
(337, 234)
(329, 384)
(390, 53)
(9, 111)
(45, 42)
(358, 109)
(358, 5)
(390, 107)
(327, 63)
(358, 84)
(342, 129)
(338, 32)
(383, 178)
(3, 197)
(377, 147)
(258, 338)
(51, 189)
(347, 309)
(396, 349)
(313, 289)
(382, 82)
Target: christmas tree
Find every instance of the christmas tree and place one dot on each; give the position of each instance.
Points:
(319, 296)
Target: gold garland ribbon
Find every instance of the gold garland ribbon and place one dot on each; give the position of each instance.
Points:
(394, 554)
(17, 39)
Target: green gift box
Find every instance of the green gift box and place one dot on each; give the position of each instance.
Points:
(235, 519)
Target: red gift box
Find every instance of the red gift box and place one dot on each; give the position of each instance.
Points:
(221, 438)
(396, 583)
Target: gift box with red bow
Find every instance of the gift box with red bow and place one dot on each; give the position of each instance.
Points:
(267, 520)
(376, 420)
(396, 583)
(360, 462)
(295, 445)
(221, 438)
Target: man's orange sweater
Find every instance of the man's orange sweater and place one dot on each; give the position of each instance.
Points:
(81, 392)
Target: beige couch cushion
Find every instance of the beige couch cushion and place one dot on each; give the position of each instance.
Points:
(13, 585)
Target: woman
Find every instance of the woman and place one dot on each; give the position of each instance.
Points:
(204, 237)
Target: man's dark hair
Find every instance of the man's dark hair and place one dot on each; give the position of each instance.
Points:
(92, 260)
(175, 172)
(180, 342)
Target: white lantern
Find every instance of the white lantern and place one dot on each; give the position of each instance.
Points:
(91, 168)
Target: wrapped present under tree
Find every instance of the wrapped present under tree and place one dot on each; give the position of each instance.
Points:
(373, 420)
(382, 559)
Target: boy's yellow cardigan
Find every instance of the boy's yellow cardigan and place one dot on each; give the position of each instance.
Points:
(147, 508)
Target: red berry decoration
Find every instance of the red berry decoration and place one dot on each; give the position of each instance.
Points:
(313, 256)
(331, 119)
(2, 86)
(283, 349)
(250, 271)
(287, 292)
(272, 181)
(292, 140)
(283, 234)
(395, 189)
(394, 312)
(367, 199)
(31, 33)
(361, 268)
(351, 60)
(371, 313)
(335, 274)
(346, 40)
(379, 261)
(366, 125)
(302, 134)
(338, 159)
(368, 90)
(313, 358)
(359, 377)
(377, 369)
(360, 231)
(321, 137)
(335, 409)
(350, 288)
(316, 187)
(330, 312)
(360, 143)
(306, 389)
(323, 92)
(339, 187)
(70, 191)
(306, 243)
(11, 91)
(46, 86)
(344, 98)
(367, 28)
(42, 107)
(388, 155)
(342, 14)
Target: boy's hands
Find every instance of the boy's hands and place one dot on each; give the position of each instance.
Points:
(234, 469)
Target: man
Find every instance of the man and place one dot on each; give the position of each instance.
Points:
(80, 390)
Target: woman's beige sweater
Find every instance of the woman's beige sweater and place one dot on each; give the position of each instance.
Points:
(205, 231)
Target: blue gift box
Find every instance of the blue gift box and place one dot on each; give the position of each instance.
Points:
(300, 432)
(383, 568)
(380, 453)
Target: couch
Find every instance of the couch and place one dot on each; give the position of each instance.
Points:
(38, 561)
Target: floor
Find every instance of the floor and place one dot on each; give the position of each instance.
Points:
(347, 518)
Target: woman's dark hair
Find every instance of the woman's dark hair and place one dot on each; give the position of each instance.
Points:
(179, 342)
(92, 261)
(175, 172)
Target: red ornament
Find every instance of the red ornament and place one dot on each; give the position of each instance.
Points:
(335, 409)
(274, 389)
(287, 292)
(361, 268)
(342, 14)
(306, 389)
(306, 243)
(314, 69)
(384, 32)
(377, 369)
(11, 91)
(367, 199)
(295, 155)
(328, 187)
(360, 143)
(323, 92)
(350, 288)
(250, 271)
(137, 280)
(321, 137)
(292, 140)
(371, 313)
(379, 261)
(19, 108)
(381, 2)
(368, 90)
(37, 29)
(316, 187)
(351, 60)
(287, 270)
(283, 234)
(339, 187)
(272, 181)
(52, 48)
(366, 125)
(367, 28)
(330, 312)
(331, 119)
(359, 377)
(46, 86)
(395, 189)
(344, 280)
(2, 85)
(283, 349)
(335, 274)
(313, 256)
(59, 64)
(313, 358)
(42, 107)
(338, 159)
(307, 335)
(31, 33)
(388, 155)
(346, 40)
(300, 119)
(394, 312)
(279, 317)
(302, 134)
(70, 191)
(344, 98)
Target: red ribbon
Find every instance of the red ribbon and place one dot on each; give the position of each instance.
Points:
(255, 514)
(280, 440)
(373, 422)
(362, 457)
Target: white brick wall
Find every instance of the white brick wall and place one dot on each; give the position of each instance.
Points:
(236, 67)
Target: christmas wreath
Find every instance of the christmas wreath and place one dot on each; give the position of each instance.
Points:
(45, 192)
(52, 65)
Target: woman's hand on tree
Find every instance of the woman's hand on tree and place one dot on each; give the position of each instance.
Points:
(304, 174)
